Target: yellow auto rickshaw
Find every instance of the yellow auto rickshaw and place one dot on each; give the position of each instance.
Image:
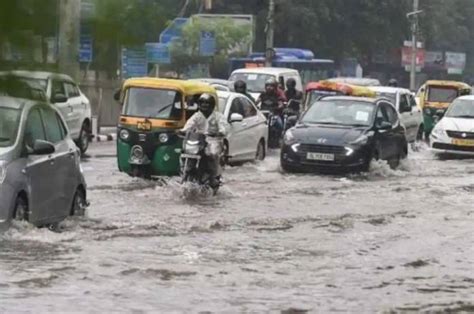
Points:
(152, 110)
(434, 98)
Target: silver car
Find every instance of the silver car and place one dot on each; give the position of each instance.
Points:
(40, 174)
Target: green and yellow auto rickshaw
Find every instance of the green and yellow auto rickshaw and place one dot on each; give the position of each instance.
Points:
(152, 110)
(434, 98)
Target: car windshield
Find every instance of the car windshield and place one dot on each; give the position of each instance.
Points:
(340, 112)
(461, 108)
(222, 103)
(442, 94)
(153, 103)
(255, 81)
(390, 96)
(9, 119)
(21, 88)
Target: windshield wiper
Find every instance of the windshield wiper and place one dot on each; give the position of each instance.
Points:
(164, 108)
(463, 116)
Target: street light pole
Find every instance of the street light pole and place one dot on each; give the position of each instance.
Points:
(414, 30)
(270, 32)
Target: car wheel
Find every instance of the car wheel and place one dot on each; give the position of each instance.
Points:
(79, 203)
(420, 133)
(224, 157)
(20, 212)
(84, 138)
(260, 151)
(394, 162)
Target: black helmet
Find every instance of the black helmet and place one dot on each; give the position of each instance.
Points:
(393, 83)
(207, 103)
(291, 83)
(240, 86)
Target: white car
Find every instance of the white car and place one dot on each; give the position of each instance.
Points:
(410, 114)
(454, 133)
(248, 131)
(256, 78)
(62, 92)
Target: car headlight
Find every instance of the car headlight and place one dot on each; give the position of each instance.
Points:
(361, 140)
(439, 132)
(192, 149)
(163, 138)
(3, 172)
(289, 137)
(124, 134)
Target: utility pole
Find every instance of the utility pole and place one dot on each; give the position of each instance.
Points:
(68, 37)
(414, 31)
(270, 31)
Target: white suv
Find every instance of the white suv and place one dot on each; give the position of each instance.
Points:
(63, 93)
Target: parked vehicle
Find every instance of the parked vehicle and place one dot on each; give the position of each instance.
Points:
(153, 109)
(248, 132)
(40, 174)
(454, 133)
(64, 94)
(195, 168)
(315, 90)
(344, 133)
(435, 97)
(256, 78)
(410, 114)
(218, 84)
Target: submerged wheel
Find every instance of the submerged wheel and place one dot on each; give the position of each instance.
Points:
(224, 160)
(420, 133)
(394, 162)
(20, 212)
(260, 151)
(84, 138)
(79, 203)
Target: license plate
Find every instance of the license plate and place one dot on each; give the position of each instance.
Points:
(319, 156)
(461, 142)
(145, 126)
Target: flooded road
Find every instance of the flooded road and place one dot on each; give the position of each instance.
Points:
(385, 241)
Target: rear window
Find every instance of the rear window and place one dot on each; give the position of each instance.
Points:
(21, 88)
(442, 94)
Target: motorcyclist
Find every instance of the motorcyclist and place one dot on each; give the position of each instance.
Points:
(241, 88)
(393, 83)
(212, 123)
(292, 93)
(272, 94)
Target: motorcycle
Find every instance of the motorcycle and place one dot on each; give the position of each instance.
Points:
(268, 109)
(291, 114)
(196, 165)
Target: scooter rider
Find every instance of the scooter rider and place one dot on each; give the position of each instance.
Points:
(241, 88)
(212, 123)
(276, 97)
(292, 93)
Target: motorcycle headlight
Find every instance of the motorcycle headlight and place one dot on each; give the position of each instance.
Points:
(3, 172)
(361, 140)
(124, 134)
(192, 149)
(163, 138)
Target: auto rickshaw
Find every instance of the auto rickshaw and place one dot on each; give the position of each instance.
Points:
(434, 98)
(152, 110)
(315, 90)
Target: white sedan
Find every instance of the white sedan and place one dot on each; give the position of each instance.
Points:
(454, 133)
(248, 131)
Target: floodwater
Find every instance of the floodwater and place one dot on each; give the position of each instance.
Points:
(386, 241)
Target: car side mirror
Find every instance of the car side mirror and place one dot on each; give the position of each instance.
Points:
(236, 117)
(42, 148)
(117, 95)
(58, 98)
(384, 125)
(292, 121)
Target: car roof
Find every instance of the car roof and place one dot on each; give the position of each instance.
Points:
(389, 89)
(15, 103)
(352, 98)
(467, 97)
(41, 75)
(264, 70)
(223, 94)
(210, 80)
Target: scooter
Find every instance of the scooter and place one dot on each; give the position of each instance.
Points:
(195, 164)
